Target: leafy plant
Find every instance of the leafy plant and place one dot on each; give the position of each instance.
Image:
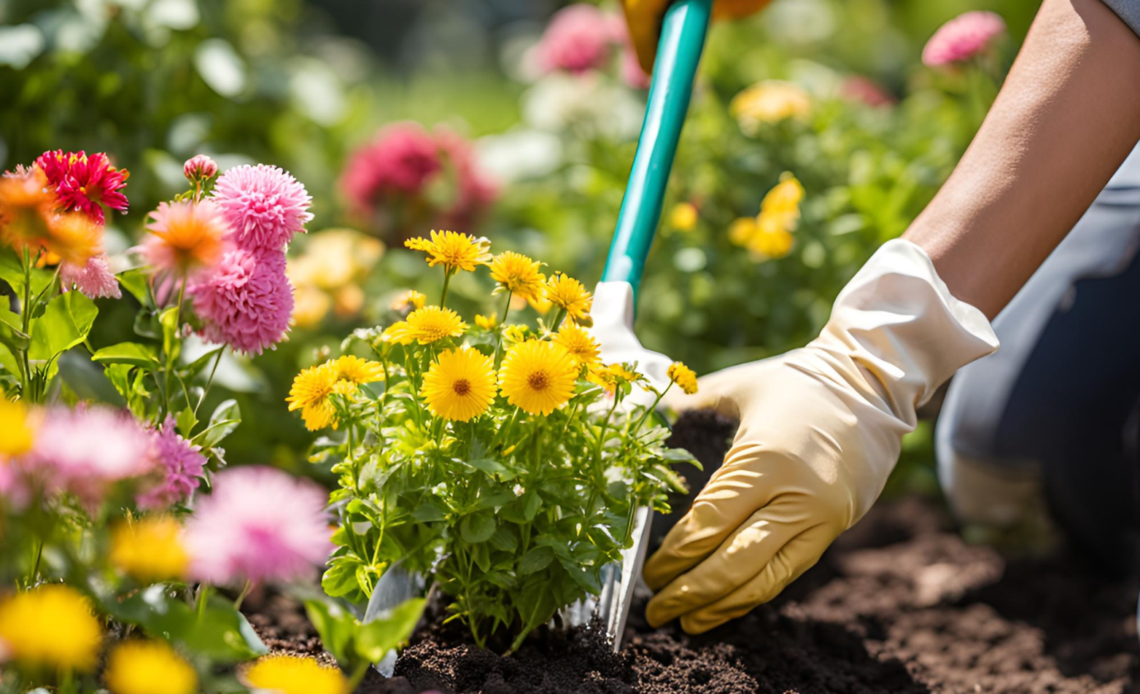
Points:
(503, 461)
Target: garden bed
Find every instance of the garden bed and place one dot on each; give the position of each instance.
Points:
(899, 604)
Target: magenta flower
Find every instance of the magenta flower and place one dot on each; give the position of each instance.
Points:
(85, 183)
(862, 90)
(246, 301)
(259, 524)
(87, 449)
(94, 279)
(578, 39)
(182, 463)
(199, 166)
(962, 38)
(402, 160)
(263, 205)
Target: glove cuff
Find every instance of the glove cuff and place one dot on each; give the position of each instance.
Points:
(903, 327)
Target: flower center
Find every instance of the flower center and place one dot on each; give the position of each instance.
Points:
(538, 380)
(461, 387)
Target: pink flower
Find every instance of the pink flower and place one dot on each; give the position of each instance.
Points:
(199, 166)
(403, 159)
(394, 182)
(94, 279)
(183, 465)
(962, 38)
(579, 38)
(860, 89)
(263, 205)
(259, 524)
(246, 301)
(85, 450)
(85, 183)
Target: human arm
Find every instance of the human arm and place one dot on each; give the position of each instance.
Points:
(821, 427)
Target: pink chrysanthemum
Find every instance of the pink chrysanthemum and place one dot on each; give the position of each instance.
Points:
(85, 450)
(246, 301)
(182, 463)
(263, 205)
(94, 279)
(962, 38)
(578, 39)
(402, 160)
(84, 183)
(259, 524)
(860, 89)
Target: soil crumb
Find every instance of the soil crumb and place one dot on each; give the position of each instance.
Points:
(899, 604)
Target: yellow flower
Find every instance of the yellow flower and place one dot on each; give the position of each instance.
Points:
(538, 376)
(453, 250)
(770, 243)
(486, 322)
(51, 626)
(784, 198)
(291, 674)
(568, 293)
(610, 376)
(334, 258)
(310, 306)
(683, 376)
(578, 342)
(398, 333)
(515, 333)
(684, 216)
(348, 300)
(460, 385)
(768, 235)
(310, 394)
(17, 433)
(356, 370)
(149, 667)
(149, 550)
(769, 101)
(518, 275)
(410, 299)
(432, 324)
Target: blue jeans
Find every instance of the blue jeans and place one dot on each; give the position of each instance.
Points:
(1062, 394)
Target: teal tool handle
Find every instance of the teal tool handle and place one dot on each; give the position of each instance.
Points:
(678, 54)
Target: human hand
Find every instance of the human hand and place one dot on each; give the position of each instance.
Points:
(820, 431)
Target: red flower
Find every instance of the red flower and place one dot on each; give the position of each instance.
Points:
(85, 183)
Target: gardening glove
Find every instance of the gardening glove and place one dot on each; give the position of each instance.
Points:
(820, 431)
(644, 19)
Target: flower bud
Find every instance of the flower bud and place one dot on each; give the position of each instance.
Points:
(200, 166)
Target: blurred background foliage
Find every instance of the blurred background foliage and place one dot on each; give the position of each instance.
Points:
(304, 84)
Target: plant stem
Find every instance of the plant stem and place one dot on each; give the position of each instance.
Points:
(446, 281)
(357, 676)
(660, 396)
(502, 327)
(210, 380)
(244, 592)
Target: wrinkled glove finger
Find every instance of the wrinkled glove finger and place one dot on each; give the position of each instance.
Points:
(799, 555)
(733, 494)
(748, 551)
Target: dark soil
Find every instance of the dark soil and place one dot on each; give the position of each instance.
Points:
(899, 604)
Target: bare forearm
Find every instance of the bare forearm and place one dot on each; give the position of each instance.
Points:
(1065, 120)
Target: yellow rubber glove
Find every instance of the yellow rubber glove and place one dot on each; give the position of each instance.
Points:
(644, 19)
(820, 431)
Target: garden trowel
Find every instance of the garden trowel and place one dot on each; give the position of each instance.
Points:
(679, 52)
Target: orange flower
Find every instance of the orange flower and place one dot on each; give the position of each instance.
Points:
(26, 204)
(185, 236)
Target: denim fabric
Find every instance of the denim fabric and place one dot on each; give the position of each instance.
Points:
(1129, 11)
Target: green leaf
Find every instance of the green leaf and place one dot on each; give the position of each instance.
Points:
(336, 627)
(136, 282)
(536, 559)
(187, 420)
(127, 353)
(340, 579)
(64, 324)
(11, 336)
(220, 632)
(476, 528)
(429, 512)
(487, 465)
(389, 630)
(533, 503)
(226, 418)
(504, 540)
(171, 344)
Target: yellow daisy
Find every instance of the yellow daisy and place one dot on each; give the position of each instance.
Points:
(410, 299)
(356, 370)
(149, 667)
(516, 333)
(310, 394)
(16, 429)
(683, 216)
(486, 322)
(460, 385)
(610, 376)
(578, 342)
(538, 376)
(452, 250)
(567, 293)
(432, 324)
(683, 376)
(51, 626)
(398, 333)
(149, 550)
(518, 275)
(292, 674)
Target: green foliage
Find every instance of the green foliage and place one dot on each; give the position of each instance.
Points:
(356, 644)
